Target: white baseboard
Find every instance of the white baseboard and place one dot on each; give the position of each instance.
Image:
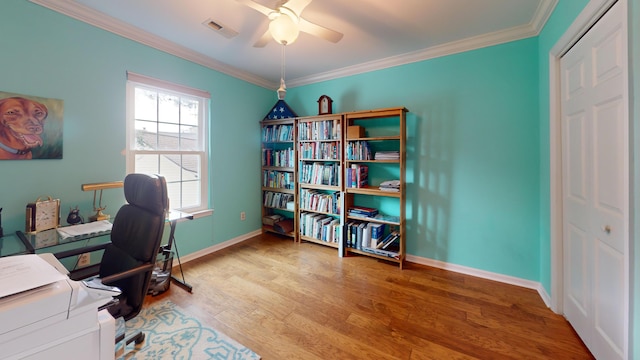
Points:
(217, 247)
(410, 258)
(484, 275)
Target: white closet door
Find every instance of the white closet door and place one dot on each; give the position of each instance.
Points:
(595, 165)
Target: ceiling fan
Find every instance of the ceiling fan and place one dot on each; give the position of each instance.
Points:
(286, 22)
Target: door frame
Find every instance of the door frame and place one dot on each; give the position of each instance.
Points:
(592, 12)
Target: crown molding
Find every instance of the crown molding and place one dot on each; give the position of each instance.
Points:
(98, 19)
(499, 37)
(95, 18)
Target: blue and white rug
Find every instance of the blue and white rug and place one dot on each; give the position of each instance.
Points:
(172, 333)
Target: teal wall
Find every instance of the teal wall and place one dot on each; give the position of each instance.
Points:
(478, 144)
(472, 151)
(49, 55)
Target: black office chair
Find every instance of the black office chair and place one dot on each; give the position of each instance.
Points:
(128, 261)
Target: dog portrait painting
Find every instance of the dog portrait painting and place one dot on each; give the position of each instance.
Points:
(30, 127)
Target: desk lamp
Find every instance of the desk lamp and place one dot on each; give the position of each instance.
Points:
(99, 215)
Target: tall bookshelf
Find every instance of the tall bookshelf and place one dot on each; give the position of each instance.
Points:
(279, 175)
(374, 178)
(319, 147)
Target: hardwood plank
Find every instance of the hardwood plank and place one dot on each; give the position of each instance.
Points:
(301, 301)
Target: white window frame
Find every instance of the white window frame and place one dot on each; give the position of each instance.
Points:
(136, 80)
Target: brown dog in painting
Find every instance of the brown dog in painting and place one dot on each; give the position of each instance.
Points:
(21, 124)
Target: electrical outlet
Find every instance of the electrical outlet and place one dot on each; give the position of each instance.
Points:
(243, 216)
(84, 260)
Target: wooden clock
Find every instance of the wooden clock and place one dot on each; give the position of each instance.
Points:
(324, 105)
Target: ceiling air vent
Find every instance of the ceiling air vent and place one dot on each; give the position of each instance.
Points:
(220, 28)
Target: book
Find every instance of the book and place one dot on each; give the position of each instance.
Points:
(387, 253)
(388, 239)
(391, 241)
(366, 235)
(271, 219)
(377, 231)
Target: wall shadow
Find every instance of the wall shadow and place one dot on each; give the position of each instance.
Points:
(429, 178)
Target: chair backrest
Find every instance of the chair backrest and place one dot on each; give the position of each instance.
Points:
(135, 238)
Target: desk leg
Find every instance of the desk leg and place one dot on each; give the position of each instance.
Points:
(27, 243)
(182, 283)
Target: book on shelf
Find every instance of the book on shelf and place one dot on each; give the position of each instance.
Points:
(277, 200)
(381, 252)
(388, 218)
(377, 231)
(284, 226)
(359, 176)
(271, 219)
(277, 133)
(319, 174)
(362, 211)
(319, 130)
(358, 150)
(391, 237)
(366, 235)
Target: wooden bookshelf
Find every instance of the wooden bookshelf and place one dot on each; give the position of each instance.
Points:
(279, 172)
(326, 151)
(384, 132)
(319, 146)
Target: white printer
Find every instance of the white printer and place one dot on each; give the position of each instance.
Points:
(46, 315)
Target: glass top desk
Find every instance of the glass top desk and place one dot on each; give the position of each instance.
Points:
(50, 240)
(10, 244)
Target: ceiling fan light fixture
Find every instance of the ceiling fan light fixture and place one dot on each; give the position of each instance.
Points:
(284, 26)
(282, 90)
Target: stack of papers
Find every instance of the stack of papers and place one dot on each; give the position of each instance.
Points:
(95, 227)
(387, 155)
(25, 272)
(390, 185)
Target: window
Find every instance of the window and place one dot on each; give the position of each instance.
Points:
(166, 134)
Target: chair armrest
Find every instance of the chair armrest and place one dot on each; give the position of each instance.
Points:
(125, 274)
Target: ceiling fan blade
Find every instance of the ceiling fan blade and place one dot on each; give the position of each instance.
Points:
(297, 5)
(320, 31)
(254, 5)
(264, 39)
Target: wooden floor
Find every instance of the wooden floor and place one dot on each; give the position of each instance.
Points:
(290, 301)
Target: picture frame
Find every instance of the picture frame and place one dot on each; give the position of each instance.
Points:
(38, 120)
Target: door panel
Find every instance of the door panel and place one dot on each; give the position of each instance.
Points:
(595, 187)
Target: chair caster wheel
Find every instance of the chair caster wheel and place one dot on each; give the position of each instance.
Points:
(139, 339)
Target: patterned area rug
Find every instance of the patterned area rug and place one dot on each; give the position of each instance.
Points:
(172, 333)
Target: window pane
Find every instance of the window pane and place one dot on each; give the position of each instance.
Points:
(173, 190)
(146, 135)
(191, 194)
(169, 111)
(147, 164)
(190, 167)
(170, 167)
(146, 105)
(189, 138)
(169, 137)
(189, 112)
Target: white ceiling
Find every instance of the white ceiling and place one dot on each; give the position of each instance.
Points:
(377, 33)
